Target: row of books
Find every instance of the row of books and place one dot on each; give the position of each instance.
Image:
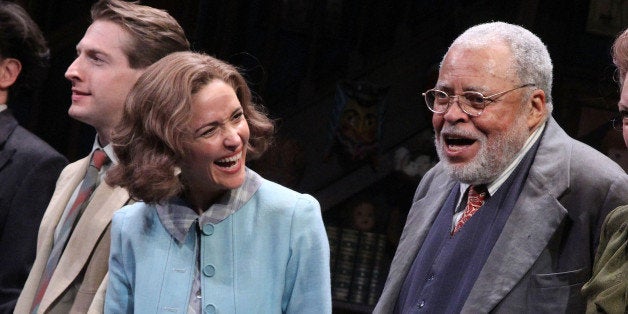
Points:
(358, 265)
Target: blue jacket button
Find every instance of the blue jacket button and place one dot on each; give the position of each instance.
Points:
(208, 229)
(209, 271)
(210, 309)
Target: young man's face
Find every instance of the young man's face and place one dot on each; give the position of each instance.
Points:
(101, 77)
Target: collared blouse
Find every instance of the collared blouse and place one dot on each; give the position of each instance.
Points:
(262, 248)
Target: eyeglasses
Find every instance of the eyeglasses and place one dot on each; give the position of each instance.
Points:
(619, 123)
(472, 103)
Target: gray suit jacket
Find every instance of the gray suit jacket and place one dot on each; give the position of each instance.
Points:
(546, 249)
(71, 290)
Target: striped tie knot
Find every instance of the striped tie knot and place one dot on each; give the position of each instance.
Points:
(99, 158)
(475, 199)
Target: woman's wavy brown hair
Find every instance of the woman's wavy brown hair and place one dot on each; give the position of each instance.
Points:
(150, 139)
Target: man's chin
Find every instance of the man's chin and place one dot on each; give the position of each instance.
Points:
(79, 114)
(470, 172)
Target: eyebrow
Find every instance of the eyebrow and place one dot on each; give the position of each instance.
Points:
(90, 51)
(216, 123)
(448, 89)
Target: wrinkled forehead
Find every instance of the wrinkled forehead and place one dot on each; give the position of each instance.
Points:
(488, 61)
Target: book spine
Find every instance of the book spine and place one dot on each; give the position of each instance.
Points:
(379, 270)
(343, 270)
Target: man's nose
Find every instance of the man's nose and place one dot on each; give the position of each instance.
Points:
(454, 110)
(72, 73)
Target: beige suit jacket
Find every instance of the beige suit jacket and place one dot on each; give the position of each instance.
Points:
(86, 255)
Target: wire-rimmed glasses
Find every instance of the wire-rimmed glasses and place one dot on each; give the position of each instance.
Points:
(471, 102)
(620, 122)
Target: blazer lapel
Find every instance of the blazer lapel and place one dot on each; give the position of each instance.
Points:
(528, 230)
(420, 219)
(526, 233)
(7, 126)
(67, 182)
(105, 201)
(5, 156)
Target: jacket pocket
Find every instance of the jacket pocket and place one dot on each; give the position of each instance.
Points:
(557, 292)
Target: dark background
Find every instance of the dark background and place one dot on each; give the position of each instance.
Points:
(294, 53)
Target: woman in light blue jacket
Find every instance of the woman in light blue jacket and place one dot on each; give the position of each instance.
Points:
(208, 235)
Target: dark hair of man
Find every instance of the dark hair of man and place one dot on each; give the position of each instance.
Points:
(21, 39)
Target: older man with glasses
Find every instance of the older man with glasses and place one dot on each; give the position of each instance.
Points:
(508, 220)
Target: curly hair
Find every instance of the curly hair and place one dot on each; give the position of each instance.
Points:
(151, 137)
(619, 52)
(21, 39)
(153, 32)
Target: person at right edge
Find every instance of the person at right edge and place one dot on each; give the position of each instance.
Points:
(509, 219)
(607, 290)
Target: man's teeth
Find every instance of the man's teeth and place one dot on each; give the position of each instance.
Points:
(459, 141)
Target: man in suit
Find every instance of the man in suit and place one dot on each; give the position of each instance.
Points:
(29, 167)
(508, 220)
(69, 273)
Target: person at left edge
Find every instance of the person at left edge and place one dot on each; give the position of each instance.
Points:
(208, 235)
(29, 167)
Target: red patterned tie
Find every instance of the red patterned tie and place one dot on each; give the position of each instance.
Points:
(475, 200)
(90, 181)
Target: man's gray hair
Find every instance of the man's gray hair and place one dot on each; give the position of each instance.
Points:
(532, 62)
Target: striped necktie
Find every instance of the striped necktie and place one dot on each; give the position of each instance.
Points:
(475, 200)
(90, 181)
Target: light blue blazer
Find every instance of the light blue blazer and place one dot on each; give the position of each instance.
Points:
(270, 256)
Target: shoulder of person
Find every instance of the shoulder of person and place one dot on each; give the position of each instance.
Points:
(271, 194)
(135, 212)
(617, 218)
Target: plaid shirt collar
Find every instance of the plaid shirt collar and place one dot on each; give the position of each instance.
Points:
(177, 216)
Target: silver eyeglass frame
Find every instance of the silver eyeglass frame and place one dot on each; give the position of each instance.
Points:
(486, 99)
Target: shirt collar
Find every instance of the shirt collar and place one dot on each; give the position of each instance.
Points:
(3, 107)
(494, 186)
(178, 217)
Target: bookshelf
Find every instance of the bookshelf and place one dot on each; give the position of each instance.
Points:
(363, 233)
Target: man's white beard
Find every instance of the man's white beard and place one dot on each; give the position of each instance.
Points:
(492, 158)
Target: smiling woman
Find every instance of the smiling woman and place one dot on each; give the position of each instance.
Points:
(204, 219)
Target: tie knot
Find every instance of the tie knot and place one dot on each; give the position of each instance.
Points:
(478, 192)
(99, 158)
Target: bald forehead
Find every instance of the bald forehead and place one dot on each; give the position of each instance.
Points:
(495, 60)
